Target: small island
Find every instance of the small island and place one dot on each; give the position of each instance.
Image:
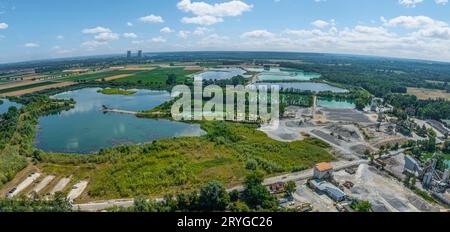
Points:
(116, 91)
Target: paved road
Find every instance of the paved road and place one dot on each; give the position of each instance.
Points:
(339, 165)
(27, 182)
(60, 186)
(99, 206)
(77, 190)
(43, 184)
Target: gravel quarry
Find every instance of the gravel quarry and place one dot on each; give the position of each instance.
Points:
(383, 192)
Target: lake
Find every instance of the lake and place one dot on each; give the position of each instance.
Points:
(283, 74)
(305, 86)
(221, 73)
(6, 104)
(86, 129)
(333, 103)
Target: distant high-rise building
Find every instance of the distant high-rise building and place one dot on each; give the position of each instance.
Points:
(140, 54)
(128, 54)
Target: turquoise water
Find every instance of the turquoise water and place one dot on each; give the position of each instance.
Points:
(283, 74)
(86, 129)
(448, 163)
(6, 104)
(305, 86)
(221, 74)
(332, 103)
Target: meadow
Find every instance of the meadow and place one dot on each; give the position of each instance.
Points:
(228, 153)
(158, 76)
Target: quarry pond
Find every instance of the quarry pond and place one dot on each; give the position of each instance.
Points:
(86, 129)
(7, 104)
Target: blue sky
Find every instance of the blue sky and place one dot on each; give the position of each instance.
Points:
(43, 29)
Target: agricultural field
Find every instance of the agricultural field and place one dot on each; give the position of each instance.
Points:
(24, 87)
(98, 76)
(34, 88)
(158, 75)
(425, 94)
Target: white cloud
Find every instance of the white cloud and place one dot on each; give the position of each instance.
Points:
(3, 26)
(92, 44)
(322, 23)
(184, 34)
(130, 35)
(105, 37)
(442, 2)
(409, 3)
(205, 20)
(208, 14)
(96, 30)
(31, 45)
(130, 24)
(152, 19)
(412, 22)
(231, 8)
(258, 34)
(200, 31)
(158, 40)
(166, 30)
(60, 37)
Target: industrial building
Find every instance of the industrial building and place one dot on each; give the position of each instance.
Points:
(323, 171)
(323, 187)
(128, 54)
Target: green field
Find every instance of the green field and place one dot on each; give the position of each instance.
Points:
(95, 76)
(185, 164)
(26, 87)
(158, 76)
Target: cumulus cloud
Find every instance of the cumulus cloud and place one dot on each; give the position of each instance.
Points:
(31, 45)
(166, 30)
(102, 37)
(441, 2)
(3, 26)
(158, 40)
(96, 30)
(412, 22)
(151, 19)
(258, 34)
(322, 23)
(208, 14)
(205, 20)
(409, 3)
(130, 35)
(184, 34)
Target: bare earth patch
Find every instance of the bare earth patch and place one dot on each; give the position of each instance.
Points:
(115, 77)
(17, 84)
(31, 90)
(138, 69)
(425, 94)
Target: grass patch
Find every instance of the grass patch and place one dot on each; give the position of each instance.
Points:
(116, 92)
(157, 76)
